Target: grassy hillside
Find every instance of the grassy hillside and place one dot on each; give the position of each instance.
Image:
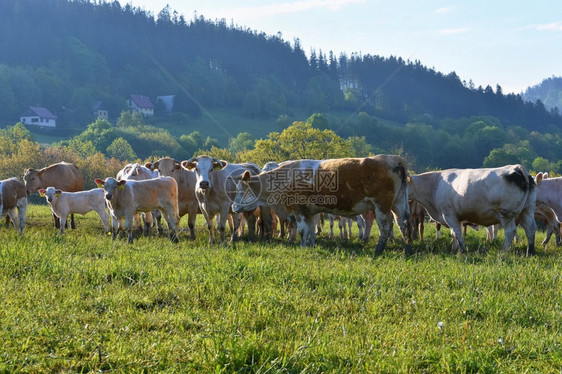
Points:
(81, 302)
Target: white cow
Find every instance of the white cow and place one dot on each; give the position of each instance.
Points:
(64, 203)
(479, 196)
(215, 191)
(140, 172)
(125, 198)
(186, 180)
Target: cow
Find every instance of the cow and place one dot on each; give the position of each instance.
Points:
(64, 203)
(139, 172)
(479, 196)
(346, 186)
(63, 175)
(186, 181)
(125, 198)
(13, 202)
(215, 189)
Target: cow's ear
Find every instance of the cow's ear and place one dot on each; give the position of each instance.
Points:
(409, 179)
(545, 176)
(98, 182)
(58, 193)
(246, 176)
(121, 184)
(41, 192)
(149, 165)
(538, 178)
(189, 164)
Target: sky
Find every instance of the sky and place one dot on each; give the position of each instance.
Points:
(511, 43)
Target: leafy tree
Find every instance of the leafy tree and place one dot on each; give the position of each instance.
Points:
(100, 133)
(220, 153)
(360, 146)
(500, 157)
(299, 141)
(121, 150)
(242, 142)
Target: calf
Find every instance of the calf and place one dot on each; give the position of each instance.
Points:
(127, 197)
(186, 180)
(13, 202)
(479, 196)
(64, 203)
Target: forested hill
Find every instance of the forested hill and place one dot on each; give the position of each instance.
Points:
(71, 53)
(66, 55)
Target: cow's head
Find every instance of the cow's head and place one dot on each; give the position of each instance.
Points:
(167, 167)
(110, 186)
(246, 198)
(203, 166)
(32, 180)
(50, 194)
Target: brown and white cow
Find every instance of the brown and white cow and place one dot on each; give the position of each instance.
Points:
(63, 175)
(479, 196)
(346, 186)
(186, 181)
(13, 202)
(64, 203)
(215, 190)
(125, 198)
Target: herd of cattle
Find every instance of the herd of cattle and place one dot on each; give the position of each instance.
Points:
(294, 194)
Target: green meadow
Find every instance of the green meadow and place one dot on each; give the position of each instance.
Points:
(81, 302)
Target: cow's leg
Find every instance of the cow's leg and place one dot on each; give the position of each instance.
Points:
(401, 210)
(530, 226)
(557, 229)
(172, 222)
(456, 233)
(104, 219)
(341, 226)
(360, 225)
(191, 216)
(251, 222)
(331, 223)
(368, 218)
(22, 212)
(236, 220)
(129, 227)
(57, 221)
(210, 225)
(421, 227)
(384, 220)
(437, 230)
(267, 222)
(63, 223)
(72, 224)
(12, 213)
(115, 223)
(147, 223)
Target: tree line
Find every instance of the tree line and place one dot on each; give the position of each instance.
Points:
(99, 50)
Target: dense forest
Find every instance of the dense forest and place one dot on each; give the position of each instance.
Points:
(66, 55)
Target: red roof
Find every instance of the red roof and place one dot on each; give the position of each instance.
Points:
(142, 101)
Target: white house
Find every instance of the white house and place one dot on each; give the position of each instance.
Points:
(38, 116)
(99, 111)
(141, 104)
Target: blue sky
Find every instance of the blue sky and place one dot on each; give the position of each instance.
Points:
(513, 43)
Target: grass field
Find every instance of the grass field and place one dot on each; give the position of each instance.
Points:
(84, 303)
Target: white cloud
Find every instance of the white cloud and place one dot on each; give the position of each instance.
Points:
(286, 8)
(554, 26)
(453, 31)
(444, 10)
